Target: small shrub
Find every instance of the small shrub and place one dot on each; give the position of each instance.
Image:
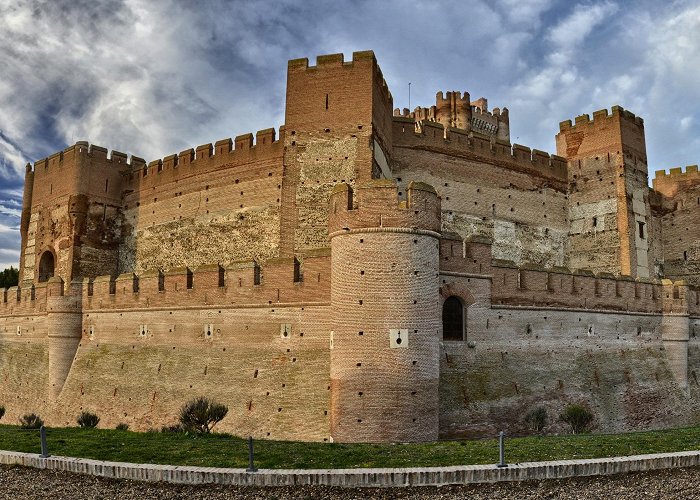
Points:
(578, 417)
(201, 415)
(122, 427)
(2, 411)
(30, 421)
(536, 418)
(88, 420)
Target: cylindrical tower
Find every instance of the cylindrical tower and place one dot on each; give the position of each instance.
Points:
(64, 322)
(385, 302)
(453, 110)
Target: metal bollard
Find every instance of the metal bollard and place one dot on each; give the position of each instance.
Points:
(501, 450)
(251, 465)
(44, 444)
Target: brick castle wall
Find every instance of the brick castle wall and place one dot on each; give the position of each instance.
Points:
(277, 274)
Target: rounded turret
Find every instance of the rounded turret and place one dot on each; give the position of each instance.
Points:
(64, 324)
(453, 110)
(386, 319)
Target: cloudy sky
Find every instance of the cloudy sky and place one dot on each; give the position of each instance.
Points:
(153, 77)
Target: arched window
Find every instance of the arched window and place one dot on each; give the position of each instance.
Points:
(452, 319)
(46, 266)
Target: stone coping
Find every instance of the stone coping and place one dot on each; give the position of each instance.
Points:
(398, 477)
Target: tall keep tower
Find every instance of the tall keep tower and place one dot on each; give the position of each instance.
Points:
(609, 211)
(337, 129)
(385, 363)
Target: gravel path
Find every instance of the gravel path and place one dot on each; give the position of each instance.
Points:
(23, 483)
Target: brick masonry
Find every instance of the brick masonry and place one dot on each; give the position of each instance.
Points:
(299, 276)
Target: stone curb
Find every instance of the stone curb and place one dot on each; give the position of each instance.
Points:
(414, 476)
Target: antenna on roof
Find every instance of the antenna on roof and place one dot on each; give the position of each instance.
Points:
(409, 97)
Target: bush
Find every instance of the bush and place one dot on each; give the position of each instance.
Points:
(122, 427)
(30, 421)
(536, 419)
(88, 420)
(171, 428)
(2, 411)
(578, 417)
(201, 415)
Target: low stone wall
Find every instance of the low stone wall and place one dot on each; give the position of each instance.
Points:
(415, 476)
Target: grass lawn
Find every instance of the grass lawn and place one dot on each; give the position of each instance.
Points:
(222, 450)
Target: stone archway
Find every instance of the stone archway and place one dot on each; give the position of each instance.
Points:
(47, 265)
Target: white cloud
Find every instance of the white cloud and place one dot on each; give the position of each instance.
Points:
(685, 123)
(152, 78)
(573, 30)
(524, 12)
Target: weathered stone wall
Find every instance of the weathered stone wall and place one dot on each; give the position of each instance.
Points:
(608, 193)
(219, 206)
(517, 358)
(275, 385)
(681, 225)
(336, 112)
(232, 295)
(24, 361)
(140, 355)
(518, 202)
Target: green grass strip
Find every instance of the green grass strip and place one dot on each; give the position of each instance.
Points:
(222, 450)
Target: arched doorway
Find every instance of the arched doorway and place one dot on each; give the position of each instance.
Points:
(452, 319)
(46, 266)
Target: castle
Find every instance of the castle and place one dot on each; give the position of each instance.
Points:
(363, 274)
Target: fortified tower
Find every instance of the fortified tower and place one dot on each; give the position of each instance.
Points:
(455, 110)
(609, 211)
(64, 320)
(386, 317)
(338, 129)
(70, 214)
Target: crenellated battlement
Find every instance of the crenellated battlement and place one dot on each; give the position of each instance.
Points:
(426, 113)
(334, 61)
(377, 205)
(433, 136)
(306, 280)
(600, 117)
(456, 110)
(676, 179)
(83, 149)
(533, 285)
(619, 131)
(221, 152)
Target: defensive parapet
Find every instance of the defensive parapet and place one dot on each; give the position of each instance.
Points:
(433, 137)
(386, 323)
(336, 60)
(339, 97)
(676, 180)
(243, 149)
(617, 132)
(454, 110)
(305, 279)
